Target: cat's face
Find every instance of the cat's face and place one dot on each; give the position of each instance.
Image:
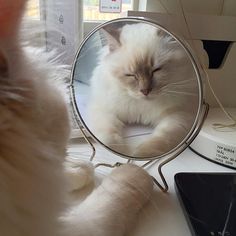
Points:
(144, 60)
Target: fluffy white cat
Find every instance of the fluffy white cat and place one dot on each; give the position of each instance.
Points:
(143, 77)
(34, 129)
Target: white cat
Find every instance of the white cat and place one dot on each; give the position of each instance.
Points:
(143, 77)
(34, 129)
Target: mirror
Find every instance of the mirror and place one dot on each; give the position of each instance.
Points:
(136, 88)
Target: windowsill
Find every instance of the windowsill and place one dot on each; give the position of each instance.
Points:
(93, 21)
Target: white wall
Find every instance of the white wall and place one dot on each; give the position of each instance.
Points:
(213, 7)
(219, 25)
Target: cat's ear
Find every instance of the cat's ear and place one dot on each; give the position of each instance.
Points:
(167, 37)
(112, 37)
(10, 15)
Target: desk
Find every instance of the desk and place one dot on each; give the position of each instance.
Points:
(163, 216)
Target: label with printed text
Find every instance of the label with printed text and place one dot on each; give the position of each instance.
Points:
(225, 155)
(110, 6)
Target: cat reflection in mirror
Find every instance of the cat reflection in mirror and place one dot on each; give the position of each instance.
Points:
(143, 77)
(34, 128)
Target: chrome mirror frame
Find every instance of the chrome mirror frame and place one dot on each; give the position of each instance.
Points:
(202, 111)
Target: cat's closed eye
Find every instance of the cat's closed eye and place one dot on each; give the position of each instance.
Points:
(156, 69)
(131, 76)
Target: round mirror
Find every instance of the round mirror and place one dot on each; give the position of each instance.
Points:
(136, 88)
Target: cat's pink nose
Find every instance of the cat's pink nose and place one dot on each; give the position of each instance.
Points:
(145, 91)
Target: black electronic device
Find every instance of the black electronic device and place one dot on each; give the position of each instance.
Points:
(209, 202)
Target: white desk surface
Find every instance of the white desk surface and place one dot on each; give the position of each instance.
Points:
(164, 215)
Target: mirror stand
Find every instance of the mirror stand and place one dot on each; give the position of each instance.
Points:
(163, 186)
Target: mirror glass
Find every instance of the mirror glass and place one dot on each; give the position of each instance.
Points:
(136, 88)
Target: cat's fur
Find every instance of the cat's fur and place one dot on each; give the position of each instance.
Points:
(34, 128)
(145, 77)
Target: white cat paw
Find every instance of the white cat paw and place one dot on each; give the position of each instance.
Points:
(120, 148)
(79, 173)
(115, 142)
(145, 150)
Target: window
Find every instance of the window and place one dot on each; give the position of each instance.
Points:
(92, 17)
(91, 10)
(33, 10)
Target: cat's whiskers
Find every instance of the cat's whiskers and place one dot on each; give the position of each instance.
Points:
(119, 144)
(183, 84)
(180, 87)
(175, 92)
(182, 81)
(8, 91)
(16, 88)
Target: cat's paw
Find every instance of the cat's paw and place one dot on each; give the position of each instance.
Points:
(145, 152)
(79, 173)
(149, 149)
(130, 182)
(115, 142)
(120, 148)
